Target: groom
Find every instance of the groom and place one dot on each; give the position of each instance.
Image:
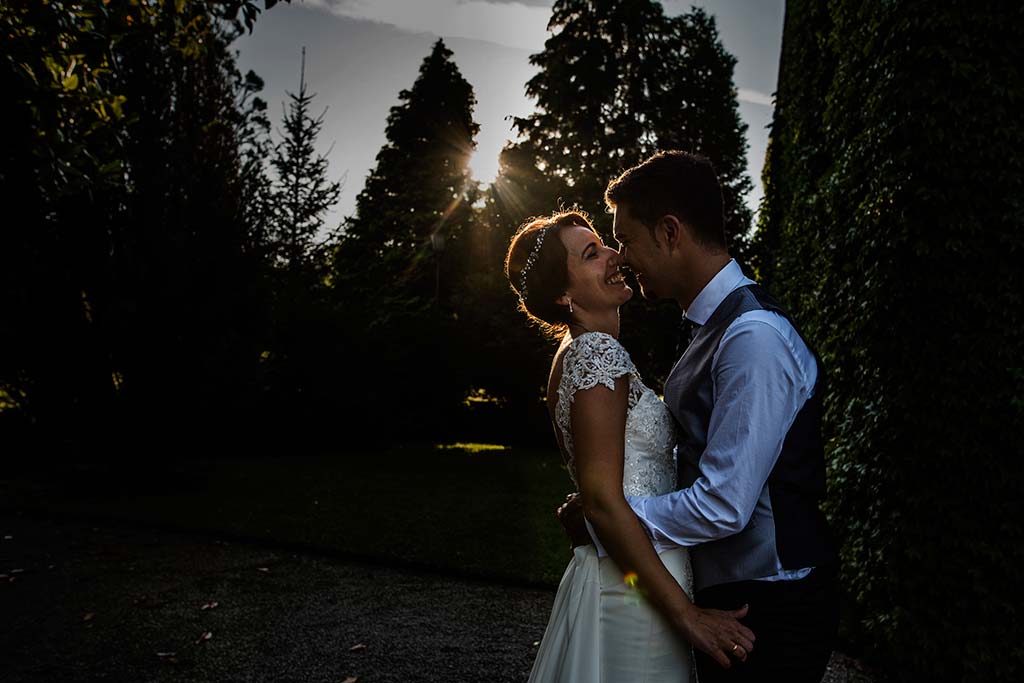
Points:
(746, 394)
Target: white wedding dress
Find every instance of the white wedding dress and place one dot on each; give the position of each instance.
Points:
(601, 630)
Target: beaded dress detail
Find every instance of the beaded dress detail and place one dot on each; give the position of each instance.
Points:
(597, 358)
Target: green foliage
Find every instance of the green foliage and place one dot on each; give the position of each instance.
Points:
(127, 285)
(892, 227)
(61, 120)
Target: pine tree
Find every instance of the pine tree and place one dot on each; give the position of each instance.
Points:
(398, 271)
(302, 192)
(417, 201)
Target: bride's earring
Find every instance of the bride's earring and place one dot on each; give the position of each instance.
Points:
(570, 306)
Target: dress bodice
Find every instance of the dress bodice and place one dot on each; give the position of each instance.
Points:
(598, 358)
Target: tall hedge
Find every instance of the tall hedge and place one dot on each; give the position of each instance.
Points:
(893, 227)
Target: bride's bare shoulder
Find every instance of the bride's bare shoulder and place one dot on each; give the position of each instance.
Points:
(555, 375)
(556, 362)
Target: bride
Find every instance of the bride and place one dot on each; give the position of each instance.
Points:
(623, 611)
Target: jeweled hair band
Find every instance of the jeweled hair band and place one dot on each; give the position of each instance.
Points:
(529, 263)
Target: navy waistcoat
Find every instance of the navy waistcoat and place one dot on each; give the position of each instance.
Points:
(787, 528)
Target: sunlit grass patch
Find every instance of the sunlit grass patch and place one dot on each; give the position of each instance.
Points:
(480, 396)
(472, 448)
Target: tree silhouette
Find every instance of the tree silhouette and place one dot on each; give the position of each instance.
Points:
(131, 302)
(399, 261)
(61, 166)
(190, 329)
(418, 198)
(302, 193)
(306, 339)
(256, 148)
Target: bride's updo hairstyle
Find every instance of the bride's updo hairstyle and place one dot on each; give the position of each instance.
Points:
(547, 276)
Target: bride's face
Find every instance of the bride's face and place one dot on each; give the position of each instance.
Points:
(595, 282)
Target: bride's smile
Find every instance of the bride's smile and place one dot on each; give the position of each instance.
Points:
(616, 278)
(595, 279)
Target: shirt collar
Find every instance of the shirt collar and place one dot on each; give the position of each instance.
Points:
(725, 281)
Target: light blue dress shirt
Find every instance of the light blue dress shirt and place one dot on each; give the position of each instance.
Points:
(762, 375)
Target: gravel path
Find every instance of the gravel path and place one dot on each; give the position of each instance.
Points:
(87, 603)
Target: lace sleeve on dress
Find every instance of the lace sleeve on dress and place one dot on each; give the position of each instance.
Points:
(594, 358)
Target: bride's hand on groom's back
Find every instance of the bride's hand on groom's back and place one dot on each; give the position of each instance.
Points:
(718, 633)
(570, 516)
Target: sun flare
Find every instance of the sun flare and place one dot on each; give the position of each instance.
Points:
(483, 166)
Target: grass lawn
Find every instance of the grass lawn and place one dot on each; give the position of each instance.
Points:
(487, 513)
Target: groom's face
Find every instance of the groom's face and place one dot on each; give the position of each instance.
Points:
(639, 251)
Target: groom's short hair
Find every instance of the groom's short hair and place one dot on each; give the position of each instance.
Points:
(673, 182)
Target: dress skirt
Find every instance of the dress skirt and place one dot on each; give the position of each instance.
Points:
(602, 630)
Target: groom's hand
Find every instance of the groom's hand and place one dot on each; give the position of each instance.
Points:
(570, 516)
(718, 633)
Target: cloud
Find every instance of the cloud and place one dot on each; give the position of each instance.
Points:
(528, 3)
(514, 24)
(754, 97)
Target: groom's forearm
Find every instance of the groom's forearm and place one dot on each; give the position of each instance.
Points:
(685, 518)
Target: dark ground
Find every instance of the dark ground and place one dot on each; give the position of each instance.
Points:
(108, 603)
